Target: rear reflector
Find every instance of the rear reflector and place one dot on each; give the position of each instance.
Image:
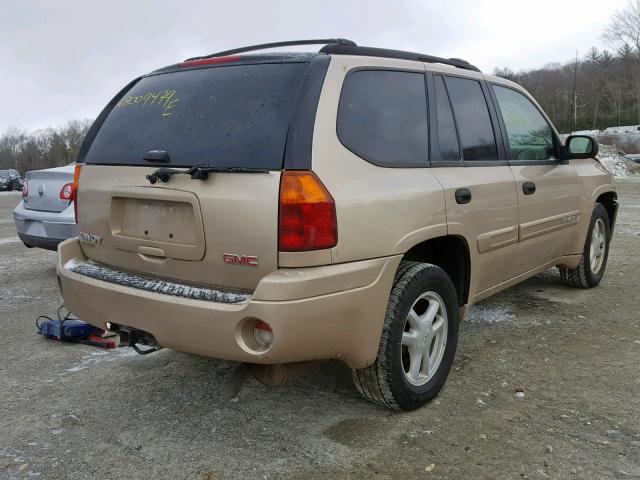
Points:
(74, 189)
(210, 61)
(263, 334)
(307, 213)
(66, 193)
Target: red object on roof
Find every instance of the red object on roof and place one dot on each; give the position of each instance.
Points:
(210, 61)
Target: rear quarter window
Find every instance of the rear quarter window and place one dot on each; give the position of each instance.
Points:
(235, 116)
(382, 117)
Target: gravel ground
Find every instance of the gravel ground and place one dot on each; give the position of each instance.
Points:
(76, 412)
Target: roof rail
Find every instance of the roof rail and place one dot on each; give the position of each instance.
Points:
(264, 46)
(342, 46)
(347, 49)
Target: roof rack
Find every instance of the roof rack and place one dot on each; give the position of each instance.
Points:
(264, 46)
(338, 49)
(342, 46)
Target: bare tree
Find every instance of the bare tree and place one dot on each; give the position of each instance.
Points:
(624, 27)
(606, 58)
(11, 144)
(504, 73)
(593, 55)
(49, 147)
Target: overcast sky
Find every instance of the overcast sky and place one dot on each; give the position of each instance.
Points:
(64, 59)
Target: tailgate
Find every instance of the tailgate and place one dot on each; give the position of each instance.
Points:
(220, 231)
(216, 232)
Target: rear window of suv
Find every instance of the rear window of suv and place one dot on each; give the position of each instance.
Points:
(382, 117)
(227, 116)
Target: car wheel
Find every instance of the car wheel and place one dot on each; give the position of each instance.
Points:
(418, 341)
(595, 254)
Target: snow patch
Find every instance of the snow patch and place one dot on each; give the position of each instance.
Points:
(622, 129)
(101, 356)
(617, 164)
(488, 314)
(592, 133)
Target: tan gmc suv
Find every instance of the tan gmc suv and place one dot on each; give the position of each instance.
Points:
(347, 204)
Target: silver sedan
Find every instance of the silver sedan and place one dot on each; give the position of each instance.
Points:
(45, 216)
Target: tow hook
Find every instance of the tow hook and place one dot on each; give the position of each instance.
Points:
(131, 337)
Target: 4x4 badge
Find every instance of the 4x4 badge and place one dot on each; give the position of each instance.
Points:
(89, 238)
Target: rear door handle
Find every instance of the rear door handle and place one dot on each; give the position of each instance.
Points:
(463, 195)
(528, 188)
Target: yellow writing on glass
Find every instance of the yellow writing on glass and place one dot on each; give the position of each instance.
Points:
(165, 99)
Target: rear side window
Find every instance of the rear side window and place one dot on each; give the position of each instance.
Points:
(447, 136)
(382, 117)
(236, 116)
(472, 118)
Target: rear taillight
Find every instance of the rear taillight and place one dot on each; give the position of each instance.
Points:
(25, 188)
(74, 190)
(66, 193)
(307, 213)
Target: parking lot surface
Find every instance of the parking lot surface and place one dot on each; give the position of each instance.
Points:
(70, 411)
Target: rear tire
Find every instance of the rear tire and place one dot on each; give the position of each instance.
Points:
(595, 254)
(418, 341)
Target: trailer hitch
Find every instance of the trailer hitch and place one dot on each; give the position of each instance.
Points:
(131, 337)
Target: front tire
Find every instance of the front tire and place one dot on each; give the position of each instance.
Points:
(595, 254)
(418, 341)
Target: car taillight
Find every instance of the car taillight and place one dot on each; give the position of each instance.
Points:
(25, 188)
(74, 190)
(307, 213)
(66, 193)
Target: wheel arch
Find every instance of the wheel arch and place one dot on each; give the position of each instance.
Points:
(609, 202)
(451, 253)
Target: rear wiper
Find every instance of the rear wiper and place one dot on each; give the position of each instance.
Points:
(163, 175)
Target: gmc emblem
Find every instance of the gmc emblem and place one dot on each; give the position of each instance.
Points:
(234, 259)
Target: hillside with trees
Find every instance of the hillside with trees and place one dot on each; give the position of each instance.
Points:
(49, 147)
(601, 89)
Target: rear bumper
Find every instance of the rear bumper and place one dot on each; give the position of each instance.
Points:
(329, 312)
(44, 229)
(40, 242)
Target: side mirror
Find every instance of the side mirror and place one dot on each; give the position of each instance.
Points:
(581, 146)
